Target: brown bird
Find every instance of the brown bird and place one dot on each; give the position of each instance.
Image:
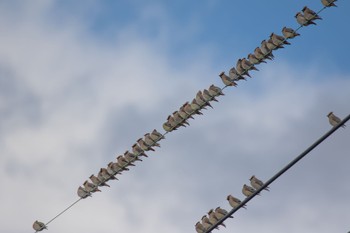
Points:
(334, 120)
(90, 187)
(310, 14)
(227, 80)
(289, 33)
(39, 226)
(302, 20)
(156, 136)
(233, 201)
(256, 183)
(328, 3)
(96, 181)
(83, 193)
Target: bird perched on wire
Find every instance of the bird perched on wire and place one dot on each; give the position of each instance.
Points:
(208, 97)
(136, 149)
(156, 136)
(233, 201)
(247, 65)
(265, 49)
(83, 193)
(106, 175)
(201, 100)
(310, 14)
(227, 80)
(220, 213)
(96, 181)
(247, 190)
(200, 228)
(234, 75)
(254, 60)
(289, 33)
(240, 70)
(90, 187)
(213, 218)
(256, 183)
(278, 40)
(328, 3)
(130, 157)
(334, 120)
(206, 223)
(149, 141)
(144, 145)
(39, 226)
(215, 91)
(302, 20)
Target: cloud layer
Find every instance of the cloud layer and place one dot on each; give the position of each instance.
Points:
(71, 101)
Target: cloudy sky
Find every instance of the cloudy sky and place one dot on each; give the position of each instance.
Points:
(80, 81)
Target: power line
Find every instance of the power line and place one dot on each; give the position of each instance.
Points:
(281, 172)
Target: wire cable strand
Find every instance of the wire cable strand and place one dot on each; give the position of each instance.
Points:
(281, 172)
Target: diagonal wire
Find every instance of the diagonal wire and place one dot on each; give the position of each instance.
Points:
(281, 172)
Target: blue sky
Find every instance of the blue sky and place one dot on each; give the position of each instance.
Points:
(81, 81)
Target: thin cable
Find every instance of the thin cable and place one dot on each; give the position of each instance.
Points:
(281, 172)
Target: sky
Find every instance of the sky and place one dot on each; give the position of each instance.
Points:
(81, 81)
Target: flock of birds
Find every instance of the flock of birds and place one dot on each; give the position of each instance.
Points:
(189, 109)
(213, 216)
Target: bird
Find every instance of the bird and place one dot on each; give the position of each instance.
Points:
(233, 201)
(183, 113)
(171, 121)
(167, 127)
(256, 183)
(39, 226)
(334, 120)
(149, 141)
(302, 20)
(178, 119)
(265, 50)
(83, 193)
(104, 174)
(213, 219)
(254, 60)
(187, 108)
(206, 223)
(208, 97)
(131, 157)
(247, 65)
(289, 33)
(156, 136)
(96, 181)
(234, 75)
(144, 145)
(220, 213)
(136, 149)
(240, 70)
(227, 80)
(195, 106)
(328, 3)
(310, 14)
(271, 46)
(247, 190)
(200, 99)
(122, 162)
(215, 91)
(278, 40)
(90, 187)
(200, 228)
